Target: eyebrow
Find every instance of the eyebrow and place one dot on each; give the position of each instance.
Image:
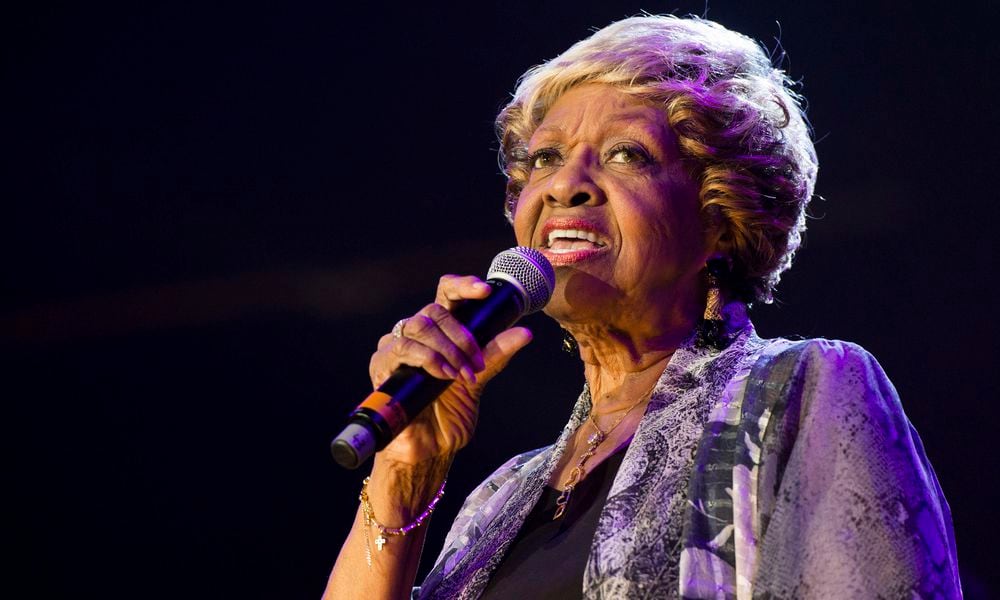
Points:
(548, 129)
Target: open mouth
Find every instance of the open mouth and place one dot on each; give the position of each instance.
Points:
(561, 241)
(571, 240)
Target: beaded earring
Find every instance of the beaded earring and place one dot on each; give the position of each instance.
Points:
(717, 269)
(712, 326)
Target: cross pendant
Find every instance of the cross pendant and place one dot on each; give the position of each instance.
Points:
(379, 542)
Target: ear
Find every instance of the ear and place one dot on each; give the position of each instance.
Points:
(718, 241)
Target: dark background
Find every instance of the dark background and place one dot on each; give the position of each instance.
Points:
(213, 211)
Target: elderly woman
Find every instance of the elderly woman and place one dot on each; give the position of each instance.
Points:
(663, 166)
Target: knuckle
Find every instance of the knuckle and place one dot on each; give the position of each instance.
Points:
(408, 352)
(400, 347)
(376, 369)
(420, 323)
(446, 281)
(436, 312)
(380, 356)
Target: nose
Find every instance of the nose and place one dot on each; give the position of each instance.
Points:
(573, 185)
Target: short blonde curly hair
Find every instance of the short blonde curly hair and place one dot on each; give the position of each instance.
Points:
(735, 116)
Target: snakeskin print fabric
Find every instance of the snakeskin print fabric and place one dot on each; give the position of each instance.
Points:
(761, 469)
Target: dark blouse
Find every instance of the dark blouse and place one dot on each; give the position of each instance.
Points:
(547, 558)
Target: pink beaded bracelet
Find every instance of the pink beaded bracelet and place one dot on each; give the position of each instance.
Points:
(370, 521)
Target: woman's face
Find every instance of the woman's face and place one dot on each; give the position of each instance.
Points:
(610, 204)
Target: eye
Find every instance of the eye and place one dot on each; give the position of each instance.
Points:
(628, 154)
(544, 158)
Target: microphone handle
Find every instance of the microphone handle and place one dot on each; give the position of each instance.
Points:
(390, 408)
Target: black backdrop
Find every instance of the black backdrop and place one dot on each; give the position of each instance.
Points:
(213, 211)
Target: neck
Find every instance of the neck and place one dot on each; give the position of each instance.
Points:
(624, 355)
(619, 367)
(612, 390)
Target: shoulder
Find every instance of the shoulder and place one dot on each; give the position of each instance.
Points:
(817, 373)
(841, 456)
(818, 353)
(831, 406)
(820, 389)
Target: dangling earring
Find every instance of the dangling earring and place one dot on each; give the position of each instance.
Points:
(712, 328)
(717, 269)
(569, 344)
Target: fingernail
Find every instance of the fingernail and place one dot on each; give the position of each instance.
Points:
(468, 374)
(449, 371)
(483, 286)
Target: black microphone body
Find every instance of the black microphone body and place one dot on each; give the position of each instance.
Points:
(388, 410)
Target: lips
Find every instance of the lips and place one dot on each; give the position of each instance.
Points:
(567, 241)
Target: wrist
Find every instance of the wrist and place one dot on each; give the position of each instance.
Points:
(401, 491)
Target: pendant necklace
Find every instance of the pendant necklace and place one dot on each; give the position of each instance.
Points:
(593, 442)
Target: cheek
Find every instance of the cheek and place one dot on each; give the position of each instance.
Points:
(682, 209)
(669, 225)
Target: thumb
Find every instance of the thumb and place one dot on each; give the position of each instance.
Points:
(501, 349)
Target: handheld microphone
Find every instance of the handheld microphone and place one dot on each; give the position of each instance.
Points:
(522, 280)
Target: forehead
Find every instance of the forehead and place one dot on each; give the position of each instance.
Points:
(598, 108)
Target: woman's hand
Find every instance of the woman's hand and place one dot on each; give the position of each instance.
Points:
(435, 341)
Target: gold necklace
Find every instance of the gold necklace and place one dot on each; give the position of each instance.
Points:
(593, 442)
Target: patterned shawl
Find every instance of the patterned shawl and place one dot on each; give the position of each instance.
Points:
(761, 469)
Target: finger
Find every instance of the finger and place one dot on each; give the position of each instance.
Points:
(384, 341)
(410, 352)
(424, 330)
(455, 333)
(453, 289)
(503, 348)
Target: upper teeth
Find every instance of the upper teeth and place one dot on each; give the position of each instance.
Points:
(572, 234)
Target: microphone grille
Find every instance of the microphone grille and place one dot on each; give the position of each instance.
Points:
(529, 270)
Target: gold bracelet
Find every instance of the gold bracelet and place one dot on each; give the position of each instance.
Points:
(370, 521)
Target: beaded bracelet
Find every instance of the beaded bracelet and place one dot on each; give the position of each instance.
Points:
(370, 521)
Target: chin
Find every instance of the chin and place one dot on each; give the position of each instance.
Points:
(580, 297)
